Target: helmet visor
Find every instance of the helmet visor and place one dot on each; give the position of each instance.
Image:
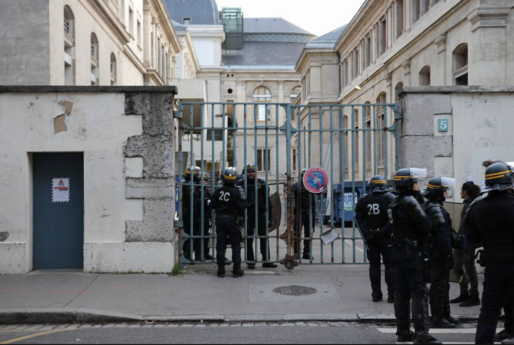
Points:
(418, 173)
(450, 184)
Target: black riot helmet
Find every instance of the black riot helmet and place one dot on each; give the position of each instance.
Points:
(436, 189)
(404, 179)
(499, 176)
(251, 168)
(304, 171)
(378, 184)
(204, 177)
(192, 173)
(230, 175)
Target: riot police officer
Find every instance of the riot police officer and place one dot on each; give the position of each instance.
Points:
(410, 229)
(203, 179)
(490, 221)
(258, 194)
(192, 227)
(372, 218)
(306, 218)
(229, 202)
(440, 250)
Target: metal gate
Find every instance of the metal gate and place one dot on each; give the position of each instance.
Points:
(351, 142)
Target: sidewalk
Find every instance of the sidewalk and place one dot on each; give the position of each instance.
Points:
(342, 294)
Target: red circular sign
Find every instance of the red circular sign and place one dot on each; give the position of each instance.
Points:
(316, 180)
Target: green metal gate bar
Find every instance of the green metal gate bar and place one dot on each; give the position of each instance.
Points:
(334, 137)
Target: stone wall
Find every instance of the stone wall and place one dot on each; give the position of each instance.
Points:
(127, 137)
(480, 128)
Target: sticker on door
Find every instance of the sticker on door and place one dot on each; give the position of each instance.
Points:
(60, 190)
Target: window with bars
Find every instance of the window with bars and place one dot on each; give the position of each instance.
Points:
(262, 157)
(95, 64)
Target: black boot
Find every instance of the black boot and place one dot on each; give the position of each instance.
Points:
(503, 335)
(441, 323)
(390, 299)
(269, 265)
(377, 297)
(405, 335)
(208, 257)
(461, 299)
(451, 319)
(473, 301)
(422, 336)
(221, 272)
(238, 272)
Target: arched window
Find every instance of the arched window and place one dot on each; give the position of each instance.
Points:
(296, 93)
(262, 95)
(114, 70)
(95, 63)
(424, 76)
(397, 89)
(460, 65)
(69, 46)
(381, 124)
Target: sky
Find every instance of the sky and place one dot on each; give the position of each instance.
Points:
(316, 16)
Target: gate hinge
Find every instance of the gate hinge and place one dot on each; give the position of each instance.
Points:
(178, 115)
(180, 224)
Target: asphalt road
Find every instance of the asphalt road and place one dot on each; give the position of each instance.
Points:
(300, 333)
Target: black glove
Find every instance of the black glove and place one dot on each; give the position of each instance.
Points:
(369, 237)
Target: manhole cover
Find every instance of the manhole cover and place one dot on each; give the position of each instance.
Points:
(295, 291)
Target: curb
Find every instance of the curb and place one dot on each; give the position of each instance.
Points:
(88, 316)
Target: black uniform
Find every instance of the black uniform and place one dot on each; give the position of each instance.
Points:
(192, 227)
(229, 202)
(307, 202)
(491, 222)
(410, 229)
(257, 220)
(440, 250)
(207, 216)
(465, 258)
(373, 220)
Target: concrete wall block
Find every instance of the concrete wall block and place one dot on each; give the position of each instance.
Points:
(147, 257)
(7, 47)
(420, 152)
(134, 167)
(156, 109)
(157, 225)
(157, 154)
(420, 109)
(13, 257)
(150, 188)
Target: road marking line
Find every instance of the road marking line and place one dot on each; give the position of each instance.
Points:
(356, 247)
(451, 343)
(435, 331)
(12, 341)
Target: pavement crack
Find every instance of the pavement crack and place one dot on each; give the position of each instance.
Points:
(80, 294)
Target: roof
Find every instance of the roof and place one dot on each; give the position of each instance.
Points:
(332, 37)
(201, 12)
(179, 27)
(266, 54)
(272, 25)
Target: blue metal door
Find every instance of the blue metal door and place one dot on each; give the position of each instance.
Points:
(58, 211)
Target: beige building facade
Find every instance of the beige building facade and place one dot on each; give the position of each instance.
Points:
(394, 44)
(79, 42)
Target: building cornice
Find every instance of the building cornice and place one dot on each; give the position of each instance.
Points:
(489, 17)
(134, 59)
(163, 14)
(110, 17)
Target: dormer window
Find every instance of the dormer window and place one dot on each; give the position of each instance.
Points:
(187, 21)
